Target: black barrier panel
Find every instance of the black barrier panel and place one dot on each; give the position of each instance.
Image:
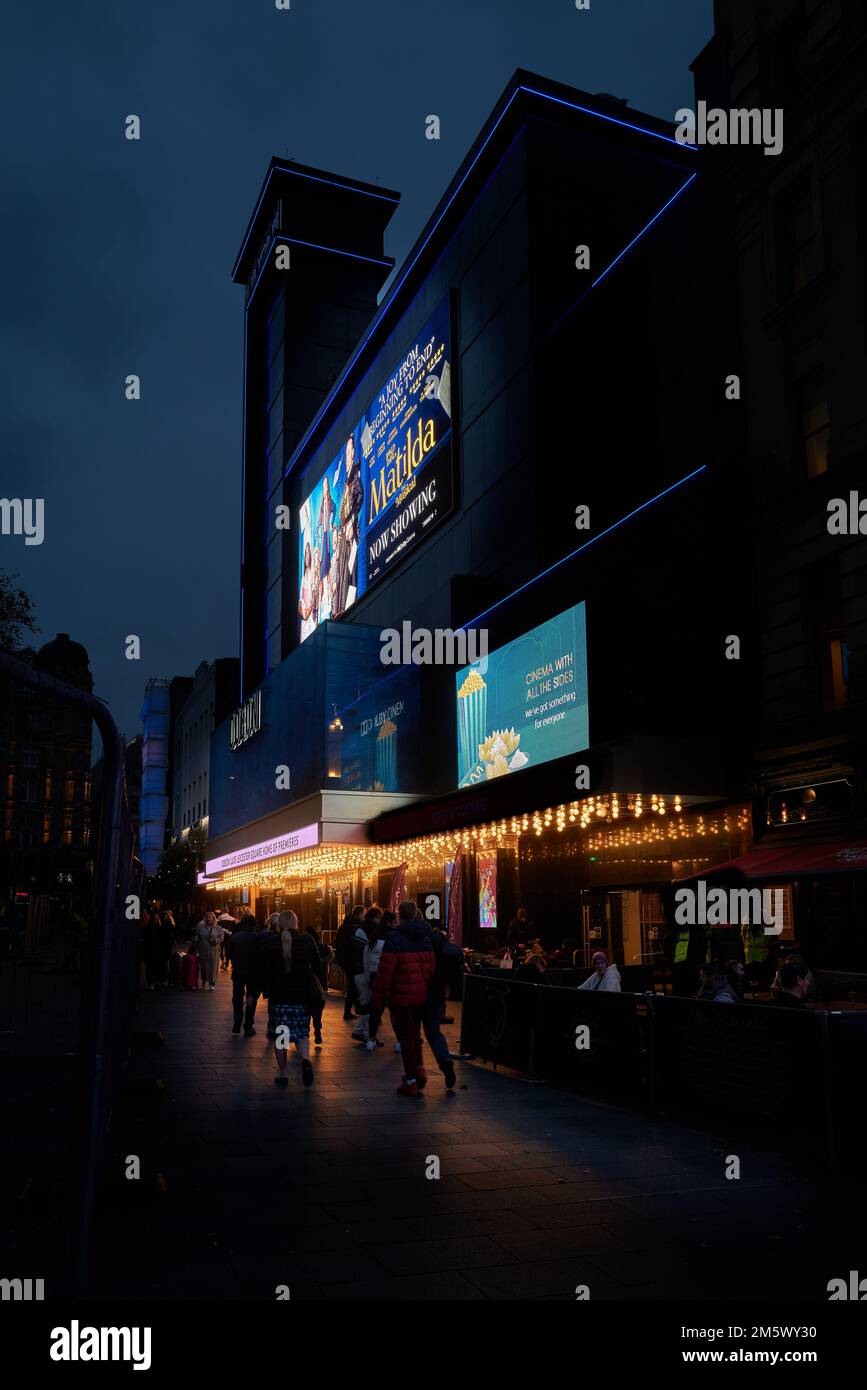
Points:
(755, 1063)
(848, 1067)
(592, 1041)
(841, 984)
(497, 1020)
(564, 976)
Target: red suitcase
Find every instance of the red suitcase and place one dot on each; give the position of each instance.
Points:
(176, 962)
(190, 972)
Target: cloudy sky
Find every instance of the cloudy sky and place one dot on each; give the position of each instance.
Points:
(117, 254)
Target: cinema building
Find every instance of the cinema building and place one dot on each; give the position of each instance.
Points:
(526, 440)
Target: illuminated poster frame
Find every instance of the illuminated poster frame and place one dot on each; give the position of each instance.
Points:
(526, 702)
(390, 484)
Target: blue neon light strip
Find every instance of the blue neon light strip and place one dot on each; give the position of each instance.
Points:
(533, 91)
(644, 229)
(619, 257)
(615, 525)
(551, 568)
(314, 178)
(385, 264)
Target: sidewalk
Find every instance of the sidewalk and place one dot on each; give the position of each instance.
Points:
(325, 1190)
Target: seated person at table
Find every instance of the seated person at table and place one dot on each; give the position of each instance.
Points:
(735, 977)
(605, 977)
(534, 962)
(792, 958)
(792, 993)
(715, 986)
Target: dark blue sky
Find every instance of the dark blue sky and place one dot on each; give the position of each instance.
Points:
(117, 254)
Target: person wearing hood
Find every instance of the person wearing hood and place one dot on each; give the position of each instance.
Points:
(605, 977)
(406, 970)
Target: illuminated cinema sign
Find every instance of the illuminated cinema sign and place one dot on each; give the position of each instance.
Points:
(525, 703)
(266, 849)
(246, 721)
(390, 483)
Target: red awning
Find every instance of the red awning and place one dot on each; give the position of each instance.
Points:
(797, 861)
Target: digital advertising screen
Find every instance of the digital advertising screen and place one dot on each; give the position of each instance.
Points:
(524, 703)
(390, 483)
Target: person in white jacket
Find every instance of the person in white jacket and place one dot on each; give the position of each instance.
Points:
(210, 935)
(605, 977)
(371, 1021)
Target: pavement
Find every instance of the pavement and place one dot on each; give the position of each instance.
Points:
(333, 1193)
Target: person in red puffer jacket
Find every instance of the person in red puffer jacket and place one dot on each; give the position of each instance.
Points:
(406, 969)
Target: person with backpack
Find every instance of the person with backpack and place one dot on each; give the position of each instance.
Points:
(406, 969)
(291, 968)
(210, 935)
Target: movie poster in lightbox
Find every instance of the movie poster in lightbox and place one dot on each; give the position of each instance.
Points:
(386, 488)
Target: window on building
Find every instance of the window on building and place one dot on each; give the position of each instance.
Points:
(797, 238)
(825, 631)
(792, 57)
(29, 758)
(814, 423)
(29, 791)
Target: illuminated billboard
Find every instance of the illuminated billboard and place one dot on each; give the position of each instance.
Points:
(390, 483)
(524, 703)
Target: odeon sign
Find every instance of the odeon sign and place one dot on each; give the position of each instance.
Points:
(267, 849)
(246, 721)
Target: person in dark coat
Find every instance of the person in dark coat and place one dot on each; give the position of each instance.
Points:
(406, 969)
(344, 954)
(449, 966)
(326, 955)
(290, 961)
(240, 952)
(793, 990)
(520, 931)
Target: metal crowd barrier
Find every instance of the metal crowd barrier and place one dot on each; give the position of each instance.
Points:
(780, 1073)
(107, 985)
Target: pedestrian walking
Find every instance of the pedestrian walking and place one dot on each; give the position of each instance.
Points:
(210, 935)
(229, 924)
(449, 967)
(345, 955)
(240, 952)
(383, 929)
(292, 967)
(326, 955)
(406, 969)
(359, 943)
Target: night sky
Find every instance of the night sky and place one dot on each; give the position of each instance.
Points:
(117, 255)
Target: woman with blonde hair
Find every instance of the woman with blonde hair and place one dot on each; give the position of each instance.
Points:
(292, 966)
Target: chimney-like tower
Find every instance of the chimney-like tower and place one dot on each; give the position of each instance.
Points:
(312, 263)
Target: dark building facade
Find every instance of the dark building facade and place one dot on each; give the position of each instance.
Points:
(523, 441)
(45, 755)
(212, 696)
(797, 238)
